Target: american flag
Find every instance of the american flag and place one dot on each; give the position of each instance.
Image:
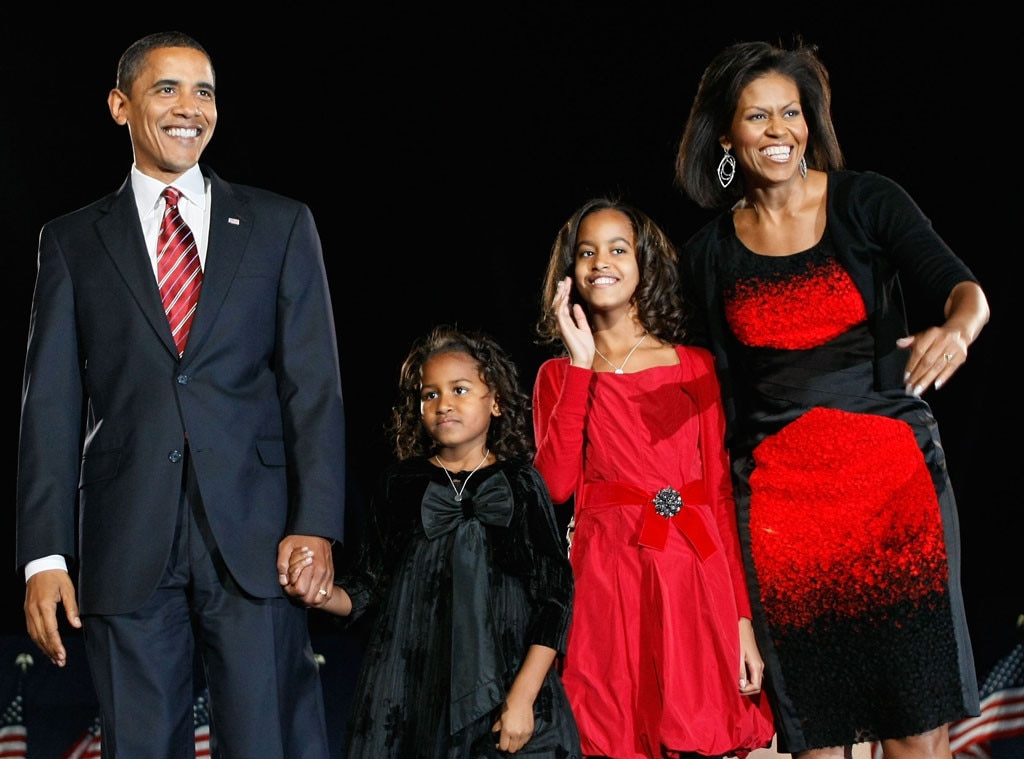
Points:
(88, 744)
(13, 736)
(201, 717)
(1002, 710)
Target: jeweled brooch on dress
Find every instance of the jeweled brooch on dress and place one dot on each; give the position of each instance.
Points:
(668, 502)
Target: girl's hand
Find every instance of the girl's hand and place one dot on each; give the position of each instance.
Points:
(572, 323)
(751, 663)
(514, 726)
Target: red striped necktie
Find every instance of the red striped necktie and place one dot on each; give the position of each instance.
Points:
(179, 274)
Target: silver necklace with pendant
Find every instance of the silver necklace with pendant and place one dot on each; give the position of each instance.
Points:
(460, 491)
(619, 369)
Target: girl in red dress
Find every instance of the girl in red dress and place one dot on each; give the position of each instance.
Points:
(661, 659)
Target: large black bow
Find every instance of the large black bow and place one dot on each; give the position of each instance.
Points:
(478, 665)
(491, 503)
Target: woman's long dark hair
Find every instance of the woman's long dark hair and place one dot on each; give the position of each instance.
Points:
(714, 106)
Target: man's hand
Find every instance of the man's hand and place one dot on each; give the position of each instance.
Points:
(315, 577)
(43, 592)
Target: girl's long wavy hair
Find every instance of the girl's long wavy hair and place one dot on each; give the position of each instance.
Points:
(510, 435)
(658, 300)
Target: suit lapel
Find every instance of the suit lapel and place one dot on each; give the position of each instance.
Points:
(121, 234)
(231, 223)
(230, 227)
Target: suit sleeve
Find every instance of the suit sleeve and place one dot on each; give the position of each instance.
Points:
(309, 387)
(51, 414)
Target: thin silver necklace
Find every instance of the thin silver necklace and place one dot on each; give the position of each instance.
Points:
(619, 369)
(460, 491)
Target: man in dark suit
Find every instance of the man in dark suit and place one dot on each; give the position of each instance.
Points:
(177, 480)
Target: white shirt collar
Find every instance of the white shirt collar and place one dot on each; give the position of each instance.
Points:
(191, 184)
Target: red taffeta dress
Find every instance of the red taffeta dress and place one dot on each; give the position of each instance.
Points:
(653, 655)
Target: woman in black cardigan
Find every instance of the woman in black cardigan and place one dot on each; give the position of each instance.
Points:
(847, 517)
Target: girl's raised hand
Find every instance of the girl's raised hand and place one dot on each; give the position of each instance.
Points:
(572, 323)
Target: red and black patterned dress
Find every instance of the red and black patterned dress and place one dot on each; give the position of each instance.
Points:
(846, 515)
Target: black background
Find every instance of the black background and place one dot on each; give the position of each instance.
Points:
(441, 150)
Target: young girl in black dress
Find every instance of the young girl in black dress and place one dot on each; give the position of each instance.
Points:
(464, 567)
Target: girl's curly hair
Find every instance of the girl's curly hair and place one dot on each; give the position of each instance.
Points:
(510, 435)
(658, 299)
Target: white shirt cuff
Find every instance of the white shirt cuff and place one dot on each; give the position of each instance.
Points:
(47, 562)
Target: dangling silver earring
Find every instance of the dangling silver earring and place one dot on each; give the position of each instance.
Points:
(726, 168)
(803, 167)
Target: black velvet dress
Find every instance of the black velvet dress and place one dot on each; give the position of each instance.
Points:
(460, 591)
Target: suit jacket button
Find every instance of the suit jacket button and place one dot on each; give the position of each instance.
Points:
(174, 456)
(182, 379)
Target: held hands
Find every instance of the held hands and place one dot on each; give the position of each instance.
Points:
(305, 568)
(751, 663)
(572, 323)
(935, 355)
(43, 592)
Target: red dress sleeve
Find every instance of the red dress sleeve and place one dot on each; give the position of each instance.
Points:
(559, 411)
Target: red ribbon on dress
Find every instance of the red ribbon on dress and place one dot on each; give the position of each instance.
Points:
(654, 531)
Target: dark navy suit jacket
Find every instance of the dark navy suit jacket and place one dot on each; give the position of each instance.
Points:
(107, 403)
